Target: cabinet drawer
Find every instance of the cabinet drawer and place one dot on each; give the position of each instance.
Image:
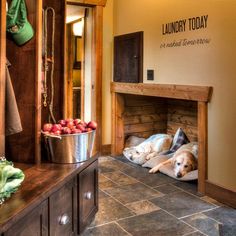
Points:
(62, 210)
(87, 195)
(33, 224)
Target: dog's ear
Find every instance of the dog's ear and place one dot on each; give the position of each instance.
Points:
(173, 161)
(194, 163)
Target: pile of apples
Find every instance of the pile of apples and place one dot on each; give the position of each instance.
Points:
(69, 126)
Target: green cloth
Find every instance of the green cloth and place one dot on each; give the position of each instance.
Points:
(10, 179)
(17, 23)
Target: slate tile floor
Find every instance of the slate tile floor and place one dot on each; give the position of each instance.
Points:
(134, 202)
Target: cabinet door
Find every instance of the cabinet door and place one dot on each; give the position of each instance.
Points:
(128, 58)
(62, 210)
(88, 195)
(33, 224)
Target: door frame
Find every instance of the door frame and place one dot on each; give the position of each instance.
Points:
(97, 41)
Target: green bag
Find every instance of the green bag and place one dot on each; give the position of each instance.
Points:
(17, 23)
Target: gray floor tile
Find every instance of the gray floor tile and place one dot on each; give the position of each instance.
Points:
(197, 233)
(204, 224)
(152, 180)
(181, 204)
(120, 178)
(155, 224)
(142, 207)
(111, 165)
(111, 229)
(110, 210)
(224, 215)
(167, 188)
(190, 187)
(132, 193)
(227, 216)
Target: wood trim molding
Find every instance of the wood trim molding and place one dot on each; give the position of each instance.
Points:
(89, 2)
(106, 149)
(2, 74)
(38, 82)
(221, 194)
(186, 92)
(202, 146)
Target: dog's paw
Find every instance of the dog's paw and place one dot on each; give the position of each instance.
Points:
(153, 170)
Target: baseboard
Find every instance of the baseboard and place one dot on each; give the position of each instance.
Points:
(221, 194)
(106, 149)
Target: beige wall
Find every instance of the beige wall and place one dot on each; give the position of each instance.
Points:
(212, 64)
(107, 71)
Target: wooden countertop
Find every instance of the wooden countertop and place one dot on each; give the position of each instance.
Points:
(40, 182)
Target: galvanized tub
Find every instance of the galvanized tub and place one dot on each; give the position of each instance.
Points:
(71, 148)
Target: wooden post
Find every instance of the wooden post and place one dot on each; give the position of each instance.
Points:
(38, 81)
(202, 149)
(2, 74)
(117, 124)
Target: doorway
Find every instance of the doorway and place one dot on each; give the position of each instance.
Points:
(78, 61)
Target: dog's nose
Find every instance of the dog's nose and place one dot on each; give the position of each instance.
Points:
(179, 175)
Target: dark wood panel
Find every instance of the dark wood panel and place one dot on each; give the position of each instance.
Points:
(63, 204)
(2, 74)
(87, 195)
(128, 58)
(221, 194)
(35, 223)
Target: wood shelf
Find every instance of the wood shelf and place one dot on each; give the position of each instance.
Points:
(186, 92)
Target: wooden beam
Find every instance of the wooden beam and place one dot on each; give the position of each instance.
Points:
(38, 81)
(89, 2)
(186, 92)
(202, 146)
(2, 74)
(117, 124)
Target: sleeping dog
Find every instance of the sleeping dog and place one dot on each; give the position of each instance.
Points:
(183, 161)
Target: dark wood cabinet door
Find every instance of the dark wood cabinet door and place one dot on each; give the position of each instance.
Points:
(87, 195)
(62, 210)
(33, 224)
(128, 58)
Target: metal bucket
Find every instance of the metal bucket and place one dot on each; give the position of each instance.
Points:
(71, 148)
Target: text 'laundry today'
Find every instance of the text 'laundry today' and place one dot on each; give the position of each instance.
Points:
(192, 23)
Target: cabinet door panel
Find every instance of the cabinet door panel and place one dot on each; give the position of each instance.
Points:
(33, 224)
(88, 195)
(62, 210)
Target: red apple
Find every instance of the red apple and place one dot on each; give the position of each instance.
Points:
(68, 120)
(76, 131)
(70, 124)
(77, 121)
(66, 130)
(88, 129)
(55, 128)
(62, 123)
(47, 127)
(81, 127)
(92, 125)
(58, 132)
(83, 123)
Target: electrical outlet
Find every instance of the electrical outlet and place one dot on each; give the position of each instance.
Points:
(150, 74)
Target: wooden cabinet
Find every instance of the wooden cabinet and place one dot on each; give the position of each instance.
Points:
(68, 208)
(62, 210)
(33, 224)
(88, 195)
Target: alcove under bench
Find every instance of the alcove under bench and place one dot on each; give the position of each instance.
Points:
(144, 109)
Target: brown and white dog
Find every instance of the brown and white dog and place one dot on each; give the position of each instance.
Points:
(183, 162)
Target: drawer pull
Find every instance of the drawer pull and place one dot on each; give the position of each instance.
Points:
(64, 219)
(88, 195)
